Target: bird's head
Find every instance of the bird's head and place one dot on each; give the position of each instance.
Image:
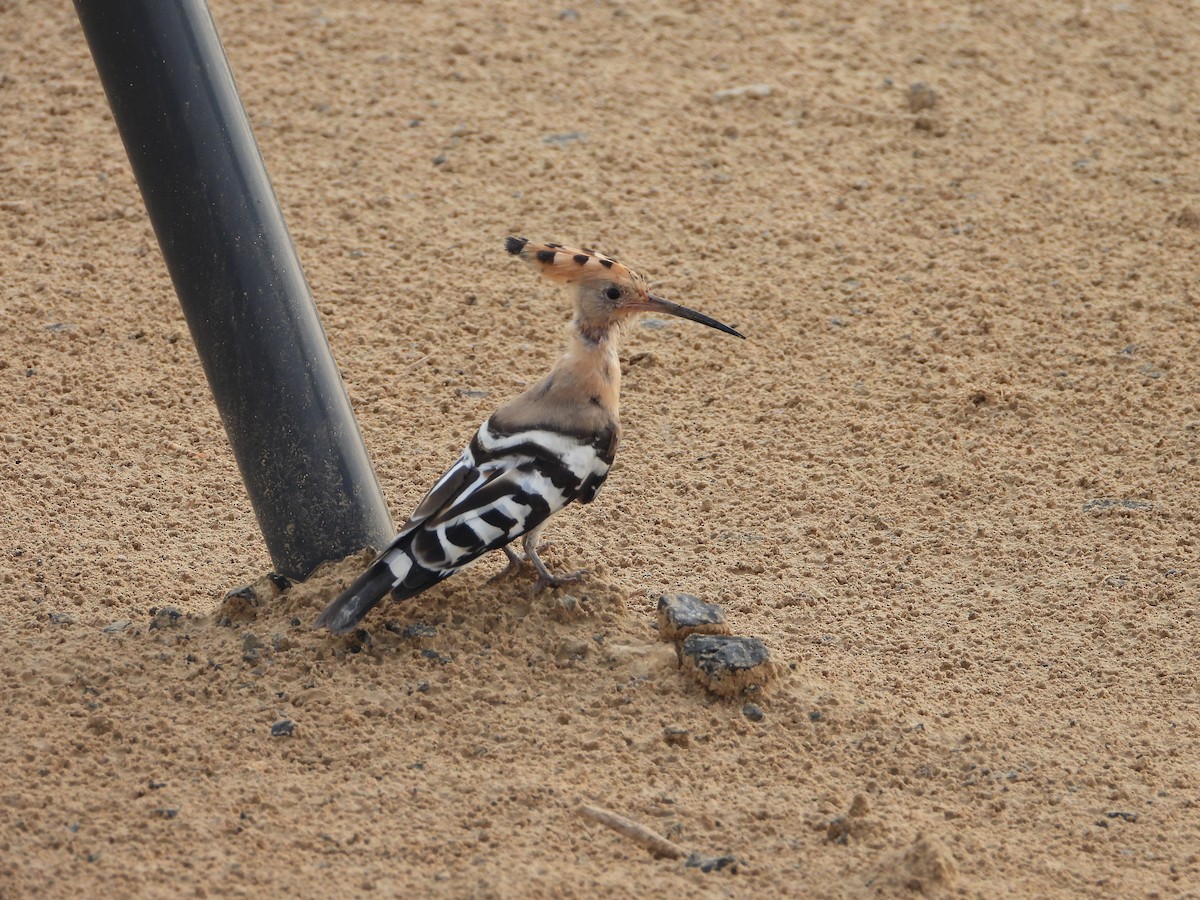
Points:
(607, 292)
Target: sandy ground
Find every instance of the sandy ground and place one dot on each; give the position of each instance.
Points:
(950, 478)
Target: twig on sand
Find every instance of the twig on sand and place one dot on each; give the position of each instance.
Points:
(651, 840)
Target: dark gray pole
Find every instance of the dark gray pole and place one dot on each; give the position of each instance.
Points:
(237, 275)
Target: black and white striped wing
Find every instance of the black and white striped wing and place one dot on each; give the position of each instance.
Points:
(502, 487)
(512, 484)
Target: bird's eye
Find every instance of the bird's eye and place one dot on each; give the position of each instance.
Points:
(613, 293)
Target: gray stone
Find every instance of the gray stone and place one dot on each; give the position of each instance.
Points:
(920, 96)
(680, 615)
(753, 712)
(728, 664)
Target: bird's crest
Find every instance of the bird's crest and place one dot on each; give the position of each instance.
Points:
(567, 265)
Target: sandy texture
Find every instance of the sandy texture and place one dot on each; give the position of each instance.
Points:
(950, 479)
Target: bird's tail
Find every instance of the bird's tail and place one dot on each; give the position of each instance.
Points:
(365, 591)
(395, 570)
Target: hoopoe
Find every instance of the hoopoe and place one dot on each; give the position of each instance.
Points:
(542, 450)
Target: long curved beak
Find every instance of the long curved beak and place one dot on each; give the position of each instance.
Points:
(658, 304)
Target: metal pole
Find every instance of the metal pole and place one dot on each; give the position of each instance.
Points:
(238, 278)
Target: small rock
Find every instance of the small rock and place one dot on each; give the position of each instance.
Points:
(1130, 817)
(242, 604)
(753, 712)
(1187, 217)
(920, 96)
(166, 813)
(838, 832)
(280, 641)
(569, 15)
(359, 640)
(727, 664)
(859, 806)
(244, 593)
(746, 90)
(572, 649)
(164, 617)
(677, 737)
(283, 728)
(682, 614)
(565, 606)
(712, 863)
(281, 582)
(565, 138)
(117, 627)
(61, 619)
(250, 647)
(419, 630)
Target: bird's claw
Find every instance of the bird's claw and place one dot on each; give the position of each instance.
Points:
(552, 581)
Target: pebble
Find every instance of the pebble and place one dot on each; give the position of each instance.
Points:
(118, 626)
(566, 138)
(682, 614)
(250, 647)
(745, 90)
(1187, 218)
(245, 592)
(61, 619)
(283, 728)
(711, 863)
(677, 737)
(572, 649)
(753, 712)
(164, 617)
(728, 664)
(566, 605)
(920, 96)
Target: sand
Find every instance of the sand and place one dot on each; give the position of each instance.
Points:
(949, 479)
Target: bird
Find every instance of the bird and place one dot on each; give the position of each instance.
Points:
(546, 448)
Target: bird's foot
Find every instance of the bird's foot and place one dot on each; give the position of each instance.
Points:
(553, 581)
(546, 579)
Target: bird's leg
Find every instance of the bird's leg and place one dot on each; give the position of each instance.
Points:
(545, 579)
(514, 562)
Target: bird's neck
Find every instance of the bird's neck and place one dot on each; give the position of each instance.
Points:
(590, 366)
(581, 393)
